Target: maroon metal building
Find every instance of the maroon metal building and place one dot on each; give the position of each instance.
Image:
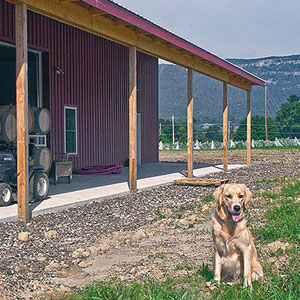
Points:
(71, 68)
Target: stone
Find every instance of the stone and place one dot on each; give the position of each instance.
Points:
(138, 235)
(53, 266)
(93, 250)
(20, 268)
(275, 246)
(64, 265)
(51, 234)
(205, 207)
(78, 253)
(84, 264)
(103, 248)
(86, 253)
(166, 212)
(132, 271)
(24, 236)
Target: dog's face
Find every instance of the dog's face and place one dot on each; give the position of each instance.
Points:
(232, 200)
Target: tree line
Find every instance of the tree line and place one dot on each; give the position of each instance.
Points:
(285, 124)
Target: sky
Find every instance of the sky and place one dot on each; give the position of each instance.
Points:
(228, 28)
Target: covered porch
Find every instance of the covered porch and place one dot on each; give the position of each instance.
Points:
(88, 188)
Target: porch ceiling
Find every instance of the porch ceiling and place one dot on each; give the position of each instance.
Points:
(109, 20)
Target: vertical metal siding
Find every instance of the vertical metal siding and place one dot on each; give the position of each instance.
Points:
(95, 81)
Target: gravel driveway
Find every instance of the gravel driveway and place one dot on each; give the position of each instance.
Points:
(151, 233)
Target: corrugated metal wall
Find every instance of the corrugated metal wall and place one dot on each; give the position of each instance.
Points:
(95, 81)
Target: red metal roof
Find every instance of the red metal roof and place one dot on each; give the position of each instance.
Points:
(144, 24)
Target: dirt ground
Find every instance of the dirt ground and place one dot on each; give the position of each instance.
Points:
(153, 233)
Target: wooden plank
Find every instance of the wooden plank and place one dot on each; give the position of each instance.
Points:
(200, 182)
(225, 128)
(22, 111)
(190, 123)
(80, 17)
(248, 129)
(132, 120)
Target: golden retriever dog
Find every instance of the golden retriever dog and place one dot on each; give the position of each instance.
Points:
(235, 253)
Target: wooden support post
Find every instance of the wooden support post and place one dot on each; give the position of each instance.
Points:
(266, 112)
(22, 111)
(225, 128)
(248, 129)
(132, 121)
(190, 123)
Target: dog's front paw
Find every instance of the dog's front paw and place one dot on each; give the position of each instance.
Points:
(248, 283)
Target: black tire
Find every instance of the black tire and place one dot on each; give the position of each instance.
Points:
(40, 186)
(5, 194)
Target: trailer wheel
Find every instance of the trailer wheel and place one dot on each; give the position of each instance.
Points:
(40, 186)
(5, 194)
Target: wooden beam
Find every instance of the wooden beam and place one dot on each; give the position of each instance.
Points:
(190, 123)
(80, 17)
(225, 128)
(132, 121)
(97, 12)
(120, 23)
(22, 111)
(248, 129)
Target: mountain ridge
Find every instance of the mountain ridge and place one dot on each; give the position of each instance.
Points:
(281, 73)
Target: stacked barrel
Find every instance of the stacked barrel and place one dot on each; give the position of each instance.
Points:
(39, 123)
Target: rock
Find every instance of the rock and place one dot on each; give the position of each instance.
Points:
(122, 278)
(103, 248)
(78, 253)
(205, 208)
(51, 234)
(132, 271)
(64, 289)
(84, 264)
(24, 236)
(93, 250)
(166, 212)
(138, 235)
(53, 266)
(86, 253)
(275, 246)
(64, 265)
(188, 220)
(20, 268)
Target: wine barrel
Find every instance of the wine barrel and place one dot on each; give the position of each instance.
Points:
(12, 109)
(42, 156)
(8, 121)
(42, 120)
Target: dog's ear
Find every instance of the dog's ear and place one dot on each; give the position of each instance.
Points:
(248, 195)
(218, 195)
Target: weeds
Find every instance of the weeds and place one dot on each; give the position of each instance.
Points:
(208, 198)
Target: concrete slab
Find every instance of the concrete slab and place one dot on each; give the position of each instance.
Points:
(87, 188)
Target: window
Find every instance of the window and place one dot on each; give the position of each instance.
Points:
(8, 76)
(71, 130)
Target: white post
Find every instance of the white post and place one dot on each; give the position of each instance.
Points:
(173, 128)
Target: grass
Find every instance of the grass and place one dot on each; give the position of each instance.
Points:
(283, 223)
(284, 217)
(208, 198)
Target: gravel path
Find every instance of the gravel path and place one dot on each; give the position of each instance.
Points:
(34, 266)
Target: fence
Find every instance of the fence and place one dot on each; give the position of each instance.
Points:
(232, 144)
